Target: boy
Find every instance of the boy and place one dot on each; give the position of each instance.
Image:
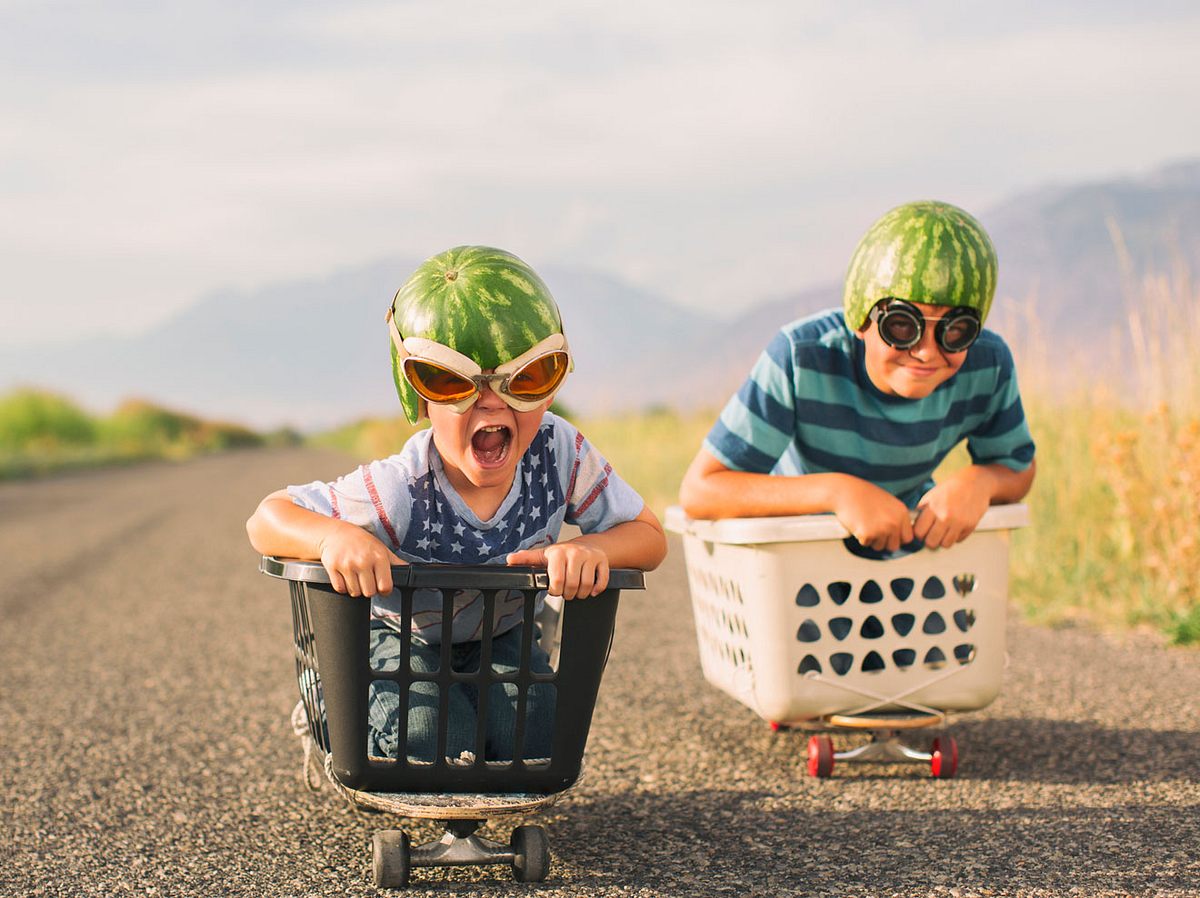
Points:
(477, 346)
(859, 405)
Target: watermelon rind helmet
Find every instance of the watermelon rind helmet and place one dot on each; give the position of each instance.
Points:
(924, 252)
(480, 301)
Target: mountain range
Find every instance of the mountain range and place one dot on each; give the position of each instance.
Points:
(314, 353)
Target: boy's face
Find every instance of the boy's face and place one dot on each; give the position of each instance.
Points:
(481, 448)
(915, 372)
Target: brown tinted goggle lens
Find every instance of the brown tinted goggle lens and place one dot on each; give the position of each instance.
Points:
(540, 377)
(435, 383)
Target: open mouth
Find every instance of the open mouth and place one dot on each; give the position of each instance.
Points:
(490, 445)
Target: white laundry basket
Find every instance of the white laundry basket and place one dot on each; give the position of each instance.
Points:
(794, 622)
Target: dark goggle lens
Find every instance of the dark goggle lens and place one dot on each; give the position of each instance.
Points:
(540, 377)
(900, 328)
(956, 332)
(435, 383)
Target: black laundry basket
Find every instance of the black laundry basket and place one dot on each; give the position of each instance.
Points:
(331, 633)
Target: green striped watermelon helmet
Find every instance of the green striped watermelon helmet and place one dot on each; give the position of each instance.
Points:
(924, 252)
(480, 301)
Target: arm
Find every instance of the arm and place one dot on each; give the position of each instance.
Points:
(579, 567)
(357, 562)
(874, 516)
(950, 512)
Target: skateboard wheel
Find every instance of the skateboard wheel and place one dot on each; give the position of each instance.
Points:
(944, 763)
(390, 859)
(820, 756)
(531, 854)
(777, 727)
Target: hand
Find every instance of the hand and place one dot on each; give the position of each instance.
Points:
(357, 562)
(874, 517)
(951, 510)
(576, 569)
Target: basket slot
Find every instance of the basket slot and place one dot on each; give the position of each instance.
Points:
(339, 690)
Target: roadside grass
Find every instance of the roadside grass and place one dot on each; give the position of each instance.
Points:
(42, 432)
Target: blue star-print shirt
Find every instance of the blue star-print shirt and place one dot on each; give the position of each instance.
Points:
(407, 502)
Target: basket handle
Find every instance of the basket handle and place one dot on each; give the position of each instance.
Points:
(448, 576)
(854, 547)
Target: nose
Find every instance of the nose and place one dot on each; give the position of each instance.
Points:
(489, 398)
(926, 347)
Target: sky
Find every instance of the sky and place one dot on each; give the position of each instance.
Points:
(719, 154)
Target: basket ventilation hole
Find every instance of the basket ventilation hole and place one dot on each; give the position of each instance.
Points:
(809, 663)
(808, 596)
(964, 653)
(840, 627)
(904, 657)
(903, 623)
(871, 629)
(809, 631)
(841, 662)
(933, 588)
(934, 624)
(870, 593)
(839, 592)
(935, 657)
(964, 619)
(872, 662)
(902, 587)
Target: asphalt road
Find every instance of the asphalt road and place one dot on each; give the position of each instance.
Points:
(146, 679)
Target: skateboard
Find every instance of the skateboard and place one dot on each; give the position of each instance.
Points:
(393, 856)
(886, 745)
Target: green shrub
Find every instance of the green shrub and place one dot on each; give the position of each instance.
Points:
(39, 421)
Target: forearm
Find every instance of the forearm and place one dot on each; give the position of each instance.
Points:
(1002, 484)
(639, 543)
(710, 493)
(281, 527)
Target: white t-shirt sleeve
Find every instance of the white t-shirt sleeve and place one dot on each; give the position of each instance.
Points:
(376, 497)
(597, 498)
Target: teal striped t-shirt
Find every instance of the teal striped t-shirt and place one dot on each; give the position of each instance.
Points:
(808, 407)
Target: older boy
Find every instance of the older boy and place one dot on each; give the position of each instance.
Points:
(478, 346)
(858, 406)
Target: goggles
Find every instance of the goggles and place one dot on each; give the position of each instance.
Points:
(442, 375)
(902, 326)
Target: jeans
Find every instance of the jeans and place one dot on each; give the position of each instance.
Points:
(463, 707)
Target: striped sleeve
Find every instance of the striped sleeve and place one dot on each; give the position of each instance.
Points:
(1003, 437)
(757, 424)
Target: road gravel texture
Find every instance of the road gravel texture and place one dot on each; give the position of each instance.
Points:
(147, 679)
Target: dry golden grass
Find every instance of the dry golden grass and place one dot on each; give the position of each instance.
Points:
(1117, 499)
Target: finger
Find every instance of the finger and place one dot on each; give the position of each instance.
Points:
(954, 534)
(534, 557)
(906, 531)
(893, 541)
(571, 575)
(383, 576)
(556, 573)
(601, 577)
(935, 535)
(336, 581)
(393, 558)
(366, 582)
(587, 578)
(920, 527)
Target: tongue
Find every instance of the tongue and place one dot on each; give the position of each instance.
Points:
(489, 444)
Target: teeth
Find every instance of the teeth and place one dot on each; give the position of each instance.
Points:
(492, 428)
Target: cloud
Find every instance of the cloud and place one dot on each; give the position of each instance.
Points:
(708, 150)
